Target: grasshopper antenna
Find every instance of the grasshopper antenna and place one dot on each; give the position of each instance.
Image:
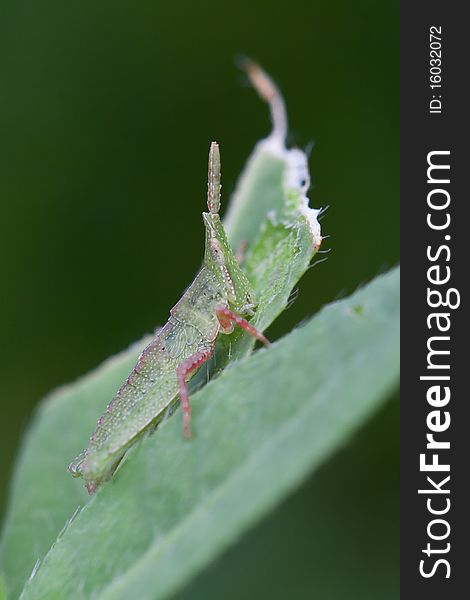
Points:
(213, 179)
(268, 92)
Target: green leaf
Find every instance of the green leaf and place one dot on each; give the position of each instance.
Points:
(44, 495)
(261, 427)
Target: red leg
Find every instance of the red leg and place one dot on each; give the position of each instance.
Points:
(227, 318)
(183, 370)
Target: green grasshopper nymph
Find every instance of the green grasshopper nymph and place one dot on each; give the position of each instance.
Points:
(219, 297)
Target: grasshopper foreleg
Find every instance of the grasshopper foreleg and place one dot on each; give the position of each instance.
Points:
(227, 318)
(182, 372)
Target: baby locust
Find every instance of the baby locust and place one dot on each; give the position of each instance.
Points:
(219, 298)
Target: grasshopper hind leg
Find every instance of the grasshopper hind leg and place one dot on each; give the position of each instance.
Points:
(186, 368)
(227, 320)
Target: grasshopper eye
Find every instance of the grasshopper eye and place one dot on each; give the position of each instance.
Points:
(217, 251)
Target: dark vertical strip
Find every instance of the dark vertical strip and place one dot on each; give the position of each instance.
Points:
(435, 241)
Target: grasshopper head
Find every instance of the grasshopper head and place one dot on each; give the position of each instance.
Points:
(219, 256)
(221, 260)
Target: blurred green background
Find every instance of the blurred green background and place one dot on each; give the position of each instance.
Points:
(106, 113)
